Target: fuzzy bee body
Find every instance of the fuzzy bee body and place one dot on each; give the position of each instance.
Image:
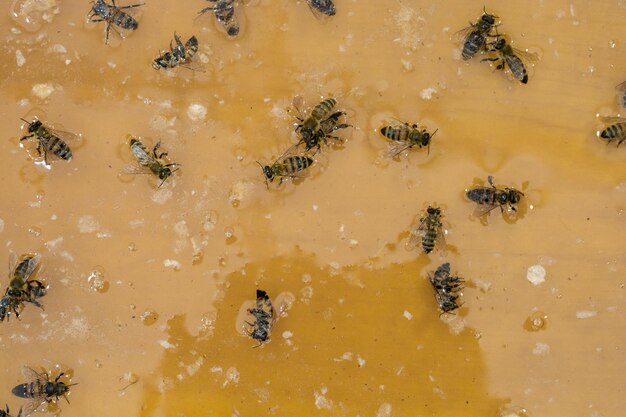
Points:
(263, 313)
(322, 8)
(447, 288)
(406, 136)
(38, 388)
(22, 289)
(507, 56)
(615, 132)
(320, 125)
(489, 198)
(475, 36)
(181, 54)
(113, 15)
(151, 161)
(287, 167)
(429, 233)
(49, 140)
(224, 11)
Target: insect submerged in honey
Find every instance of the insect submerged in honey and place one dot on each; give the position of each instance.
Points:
(447, 288)
(489, 198)
(320, 125)
(475, 36)
(263, 313)
(7, 413)
(406, 136)
(287, 166)
(321, 8)
(224, 11)
(615, 131)
(511, 57)
(21, 288)
(50, 140)
(429, 233)
(113, 15)
(39, 389)
(179, 55)
(153, 162)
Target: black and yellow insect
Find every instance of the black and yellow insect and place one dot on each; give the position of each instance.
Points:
(22, 289)
(179, 55)
(150, 162)
(320, 124)
(429, 232)
(447, 288)
(405, 137)
(615, 131)
(39, 389)
(474, 37)
(263, 313)
(322, 8)
(489, 198)
(224, 11)
(50, 140)
(113, 16)
(510, 57)
(286, 167)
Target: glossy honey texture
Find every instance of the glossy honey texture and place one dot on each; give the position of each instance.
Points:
(147, 285)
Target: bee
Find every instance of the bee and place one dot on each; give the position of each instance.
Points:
(21, 288)
(6, 412)
(113, 15)
(50, 140)
(263, 313)
(178, 55)
(475, 35)
(321, 8)
(286, 166)
(224, 11)
(429, 232)
(511, 57)
(153, 162)
(406, 136)
(447, 288)
(489, 198)
(616, 131)
(38, 388)
(320, 124)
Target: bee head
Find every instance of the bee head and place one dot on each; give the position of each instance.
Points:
(165, 172)
(499, 44)
(514, 196)
(489, 19)
(99, 7)
(433, 211)
(33, 126)
(267, 173)
(14, 292)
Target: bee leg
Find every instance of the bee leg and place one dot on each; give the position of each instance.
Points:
(59, 377)
(131, 6)
(490, 180)
(26, 137)
(619, 142)
(158, 144)
(106, 38)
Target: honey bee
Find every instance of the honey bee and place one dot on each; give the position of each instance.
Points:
(429, 233)
(224, 11)
(50, 140)
(113, 15)
(287, 166)
(447, 288)
(39, 389)
(511, 57)
(263, 313)
(489, 198)
(475, 35)
(406, 136)
(319, 126)
(321, 8)
(153, 162)
(21, 288)
(616, 131)
(7, 413)
(177, 55)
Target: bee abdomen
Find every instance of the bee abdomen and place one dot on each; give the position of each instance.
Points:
(324, 108)
(428, 241)
(475, 42)
(59, 148)
(615, 131)
(396, 133)
(298, 163)
(517, 68)
(481, 195)
(125, 21)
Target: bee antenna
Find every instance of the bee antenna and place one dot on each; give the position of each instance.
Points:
(29, 123)
(267, 184)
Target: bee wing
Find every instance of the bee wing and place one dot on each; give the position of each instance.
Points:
(67, 137)
(32, 265)
(482, 209)
(12, 263)
(142, 156)
(317, 12)
(415, 240)
(440, 240)
(135, 168)
(194, 65)
(621, 87)
(459, 36)
(31, 375)
(33, 404)
(613, 119)
(396, 148)
(527, 57)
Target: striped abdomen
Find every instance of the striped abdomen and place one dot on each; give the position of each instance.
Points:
(482, 195)
(191, 47)
(429, 238)
(517, 67)
(398, 133)
(294, 164)
(31, 389)
(474, 42)
(323, 109)
(616, 131)
(225, 14)
(54, 144)
(124, 20)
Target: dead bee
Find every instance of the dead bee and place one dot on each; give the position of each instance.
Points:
(319, 126)
(7, 413)
(489, 198)
(179, 55)
(475, 36)
(113, 15)
(447, 288)
(429, 232)
(616, 131)
(39, 389)
(406, 136)
(153, 162)
(322, 8)
(224, 11)
(50, 140)
(286, 166)
(263, 313)
(511, 57)
(21, 288)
